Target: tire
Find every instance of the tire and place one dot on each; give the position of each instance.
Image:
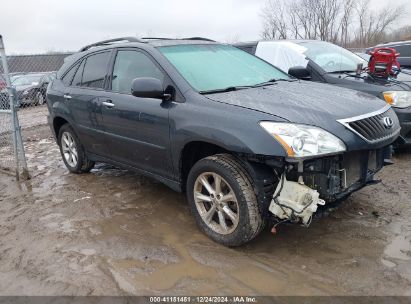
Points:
(40, 99)
(70, 147)
(247, 220)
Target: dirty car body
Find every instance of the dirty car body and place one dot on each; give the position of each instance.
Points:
(239, 136)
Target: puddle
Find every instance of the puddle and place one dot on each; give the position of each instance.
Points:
(114, 232)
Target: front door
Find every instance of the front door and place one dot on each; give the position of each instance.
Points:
(137, 129)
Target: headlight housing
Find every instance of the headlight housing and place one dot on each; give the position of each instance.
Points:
(398, 99)
(302, 140)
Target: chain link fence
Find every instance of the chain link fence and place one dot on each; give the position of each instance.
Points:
(30, 76)
(23, 85)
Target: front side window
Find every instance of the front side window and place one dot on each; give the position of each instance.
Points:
(210, 67)
(130, 65)
(95, 70)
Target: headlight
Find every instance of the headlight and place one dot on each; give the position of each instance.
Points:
(302, 140)
(398, 99)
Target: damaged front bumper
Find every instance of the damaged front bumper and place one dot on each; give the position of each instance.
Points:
(308, 183)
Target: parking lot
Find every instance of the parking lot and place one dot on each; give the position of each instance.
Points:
(113, 232)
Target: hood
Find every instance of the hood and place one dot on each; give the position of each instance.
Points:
(24, 87)
(373, 85)
(302, 102)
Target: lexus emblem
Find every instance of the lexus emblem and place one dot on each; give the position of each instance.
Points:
(387, 122)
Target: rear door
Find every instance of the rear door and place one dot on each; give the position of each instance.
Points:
(84, 97)
(137, 129)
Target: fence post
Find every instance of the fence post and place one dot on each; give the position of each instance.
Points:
(17, 140)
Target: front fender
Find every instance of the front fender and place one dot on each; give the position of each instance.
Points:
(232, 128)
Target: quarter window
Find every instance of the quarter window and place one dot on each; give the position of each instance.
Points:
(77, 77)
(95, 70)
(69, 75)
(130, 65)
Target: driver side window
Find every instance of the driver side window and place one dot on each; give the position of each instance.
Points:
(130, 65)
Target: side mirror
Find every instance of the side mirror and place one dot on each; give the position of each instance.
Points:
(147, 87)
(300, 73)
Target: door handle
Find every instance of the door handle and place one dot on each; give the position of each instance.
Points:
(108, 104)
(67, 96)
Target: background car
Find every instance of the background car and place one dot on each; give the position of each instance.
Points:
(2, 82)
(402, 47)
(3, 95)
(40, 91)
(325, 62)
(27, 86)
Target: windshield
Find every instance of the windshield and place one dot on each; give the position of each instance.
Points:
(210, 67)
(26, 80)
(331, 57)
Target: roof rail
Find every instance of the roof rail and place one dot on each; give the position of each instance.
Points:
(109, 41)
(157, 38)
(199, 38)
(190, 38)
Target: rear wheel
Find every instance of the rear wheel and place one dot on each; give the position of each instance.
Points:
(72, 151)
(222, 200)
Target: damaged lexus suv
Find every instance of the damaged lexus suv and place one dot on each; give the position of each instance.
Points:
(245, 141)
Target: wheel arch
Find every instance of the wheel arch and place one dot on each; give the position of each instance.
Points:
(58, 122)
(191, 153)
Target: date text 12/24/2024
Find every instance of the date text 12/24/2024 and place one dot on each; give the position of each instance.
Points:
(203, 299)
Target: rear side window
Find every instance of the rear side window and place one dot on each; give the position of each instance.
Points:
(69, 75)
(95, 70)
(130, 65)
(78, 75)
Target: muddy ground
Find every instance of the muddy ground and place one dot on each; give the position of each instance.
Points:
(113, 232)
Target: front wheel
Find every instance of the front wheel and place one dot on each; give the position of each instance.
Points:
(222, 199)
(72, 151)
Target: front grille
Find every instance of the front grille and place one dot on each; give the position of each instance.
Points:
(374, 127)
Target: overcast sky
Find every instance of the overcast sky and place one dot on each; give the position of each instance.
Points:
(60, 25)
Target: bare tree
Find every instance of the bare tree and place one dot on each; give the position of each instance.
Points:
(274, 15)
(329, 20)
(373, 25)
(346, 18)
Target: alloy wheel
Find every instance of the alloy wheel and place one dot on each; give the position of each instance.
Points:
(68, 146)
(216, 202)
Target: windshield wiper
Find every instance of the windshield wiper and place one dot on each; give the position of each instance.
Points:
(265, 83)
(227, 89)
(236, 88)
(341, 72)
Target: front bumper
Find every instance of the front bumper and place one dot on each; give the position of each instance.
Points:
(337, 176)
(404, 116)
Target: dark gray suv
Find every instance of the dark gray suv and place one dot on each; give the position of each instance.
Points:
(244, 140)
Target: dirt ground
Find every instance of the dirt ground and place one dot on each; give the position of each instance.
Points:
(113, 232)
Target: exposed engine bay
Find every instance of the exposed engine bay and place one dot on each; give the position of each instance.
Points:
(295, 201)
(305, 185)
